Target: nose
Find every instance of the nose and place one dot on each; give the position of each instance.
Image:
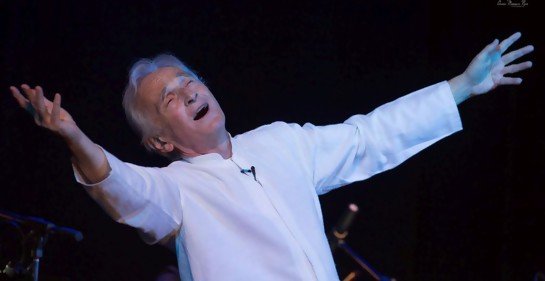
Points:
(192, 99)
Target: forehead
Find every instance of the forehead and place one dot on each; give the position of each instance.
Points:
(157, 80)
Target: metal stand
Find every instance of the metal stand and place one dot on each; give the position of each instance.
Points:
(336, 240)
(363, 263)
(36, 254)
(38, 232)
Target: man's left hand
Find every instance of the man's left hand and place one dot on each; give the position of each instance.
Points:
(486, 71)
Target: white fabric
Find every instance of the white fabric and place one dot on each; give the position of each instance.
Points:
(228, 226)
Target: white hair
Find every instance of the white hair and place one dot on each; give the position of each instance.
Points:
(145, 127)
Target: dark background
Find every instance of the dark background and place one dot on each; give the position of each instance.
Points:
(470, 207)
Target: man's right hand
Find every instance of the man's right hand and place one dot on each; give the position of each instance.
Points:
(88, 157)
(46, 113)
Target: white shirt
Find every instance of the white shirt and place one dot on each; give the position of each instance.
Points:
(226, 225)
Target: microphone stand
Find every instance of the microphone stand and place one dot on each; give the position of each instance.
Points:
(363, 263)
(336, 240)
(40, 229)
(36, 254)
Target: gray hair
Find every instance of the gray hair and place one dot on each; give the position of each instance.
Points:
(137, 118)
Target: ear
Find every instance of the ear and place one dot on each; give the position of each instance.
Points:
(161, 145)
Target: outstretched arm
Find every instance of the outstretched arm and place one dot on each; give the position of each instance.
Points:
(137, 196)
(486, 71)
(87, 156)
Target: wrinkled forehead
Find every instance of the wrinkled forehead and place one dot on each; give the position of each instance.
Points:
(174, 83)
(162, 78)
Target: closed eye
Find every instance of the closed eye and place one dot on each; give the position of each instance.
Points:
(169, 98)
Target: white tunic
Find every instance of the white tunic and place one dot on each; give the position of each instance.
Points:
(226, 225)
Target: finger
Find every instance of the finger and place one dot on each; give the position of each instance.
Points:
(489, 48)
(48, 103)
(516, 67)
(56, 111)
(33, 105)
(505, 44)
(508, 58)
(40, 102)
(510, 81)
(21, 100)
(29, 92)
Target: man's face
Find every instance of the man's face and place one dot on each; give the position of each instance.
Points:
(188, 115)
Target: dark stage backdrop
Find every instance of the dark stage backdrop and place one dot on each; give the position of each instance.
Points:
(471, 207)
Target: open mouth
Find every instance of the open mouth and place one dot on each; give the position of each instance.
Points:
(201, 112)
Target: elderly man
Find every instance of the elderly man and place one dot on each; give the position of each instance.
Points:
(246, 207)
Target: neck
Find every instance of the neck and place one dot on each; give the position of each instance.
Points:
(224, 147)
(221, 146)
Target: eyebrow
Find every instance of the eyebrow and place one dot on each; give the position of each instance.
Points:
(168, 88)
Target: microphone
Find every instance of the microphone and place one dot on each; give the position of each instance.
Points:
(251, 170)
(340, 230)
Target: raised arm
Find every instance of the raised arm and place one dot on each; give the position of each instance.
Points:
(486, 71)
(137, 196)
(366, 145)
(87, 156)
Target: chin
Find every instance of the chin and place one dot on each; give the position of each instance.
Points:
(216, 123)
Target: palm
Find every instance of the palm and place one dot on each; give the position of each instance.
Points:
(486, 71)
(46, 113)
(66, 122)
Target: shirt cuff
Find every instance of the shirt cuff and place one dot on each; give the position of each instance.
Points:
(451, 108)
(112, 162)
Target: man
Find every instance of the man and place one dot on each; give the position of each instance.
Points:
(246, 207)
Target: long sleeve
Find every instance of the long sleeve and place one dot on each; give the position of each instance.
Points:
(365, 145)
(142, 197)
